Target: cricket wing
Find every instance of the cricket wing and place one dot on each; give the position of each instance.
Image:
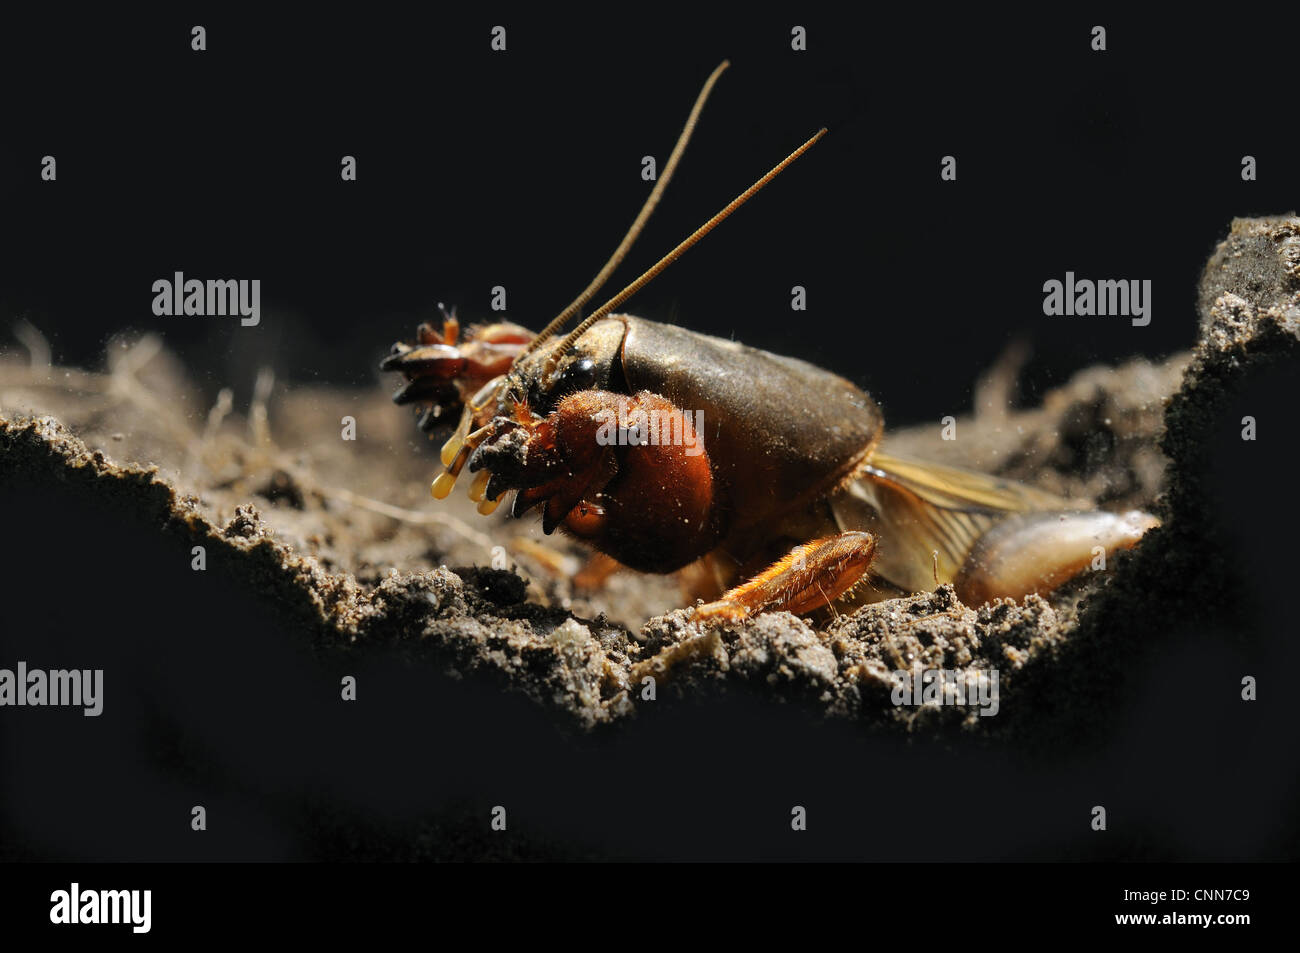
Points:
(921, 509)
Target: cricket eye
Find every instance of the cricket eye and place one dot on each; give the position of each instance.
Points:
(578, 375)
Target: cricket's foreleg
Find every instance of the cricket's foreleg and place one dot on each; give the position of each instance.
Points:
(809, 577)
(628, 474)
(1036, 552)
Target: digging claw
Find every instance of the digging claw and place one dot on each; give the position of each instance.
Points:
(434, 360)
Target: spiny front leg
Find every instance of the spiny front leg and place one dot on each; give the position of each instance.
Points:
(809, 577)
(444, 368)
(628, 474)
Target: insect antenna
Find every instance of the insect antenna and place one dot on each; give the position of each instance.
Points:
(564, 346)
(638, 223)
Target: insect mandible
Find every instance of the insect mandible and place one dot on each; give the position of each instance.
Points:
(663, 448)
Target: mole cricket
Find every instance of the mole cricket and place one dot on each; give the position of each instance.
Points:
(782, 500)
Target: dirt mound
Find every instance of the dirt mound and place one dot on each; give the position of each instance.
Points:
(271, 511)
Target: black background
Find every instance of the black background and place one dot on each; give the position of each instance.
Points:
(522, 169)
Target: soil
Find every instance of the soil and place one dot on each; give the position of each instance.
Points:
(341, 536)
